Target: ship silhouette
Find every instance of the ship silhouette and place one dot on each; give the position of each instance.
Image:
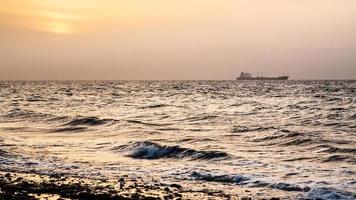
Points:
(248, 76)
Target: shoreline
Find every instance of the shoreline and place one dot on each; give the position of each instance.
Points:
(33, 186)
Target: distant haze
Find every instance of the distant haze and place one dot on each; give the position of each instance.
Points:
(176, 39)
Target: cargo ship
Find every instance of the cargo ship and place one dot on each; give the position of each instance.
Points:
(248, 76)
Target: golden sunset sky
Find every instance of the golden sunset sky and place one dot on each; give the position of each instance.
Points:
(177, 39)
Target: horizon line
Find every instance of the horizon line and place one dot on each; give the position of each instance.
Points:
(347, 79)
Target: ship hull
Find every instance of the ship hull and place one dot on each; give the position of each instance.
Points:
(265, 78)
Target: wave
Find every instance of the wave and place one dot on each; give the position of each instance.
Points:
(58, 119)
(244, 180)
(88, 121)
(66, 123)
(288, 187)
(32, 116)
(150, 150)
(280, 137)
(68, 129)
(3, 153)
(338, 158)
(353, 117)
(298, 141)
(244, 129)
(291, 138)
(279, 186)
(236, 179)
(236, 104)
(35, 99)
(146, 123)
(168, 129)
(198, 118)
(154, 106)
(286, 138)
(329, 193)
(19, 114)
(298, 159)
(333, 149)
(16, 129)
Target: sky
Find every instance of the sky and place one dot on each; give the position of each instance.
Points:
(176, 39)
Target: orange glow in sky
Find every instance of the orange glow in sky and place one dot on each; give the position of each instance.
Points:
(166, 39)
(64, 16)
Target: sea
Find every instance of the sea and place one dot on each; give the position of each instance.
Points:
(290, 136)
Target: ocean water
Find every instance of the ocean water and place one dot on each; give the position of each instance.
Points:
(290, 136)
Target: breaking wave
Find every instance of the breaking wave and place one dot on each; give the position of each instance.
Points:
(150, 150)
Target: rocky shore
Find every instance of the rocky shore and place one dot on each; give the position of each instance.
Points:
(31, 186)
(24, 186)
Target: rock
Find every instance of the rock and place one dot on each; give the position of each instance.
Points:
(167, 197)
(135, 196)
(8, 176)
(178, 195)
(176, 186)
(122, 183)
(56, 176)
(19, 179)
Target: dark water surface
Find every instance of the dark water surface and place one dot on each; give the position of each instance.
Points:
(297, 136)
